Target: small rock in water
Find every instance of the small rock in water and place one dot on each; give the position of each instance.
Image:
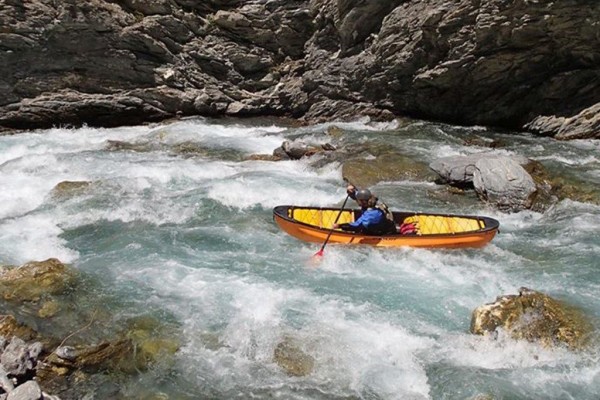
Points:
(66, 353)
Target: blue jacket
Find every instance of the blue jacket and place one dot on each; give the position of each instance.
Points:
(370, 218)
(372, 221)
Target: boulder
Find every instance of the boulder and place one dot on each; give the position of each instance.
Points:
(457, 170)
(504, 183)
(35, 279)
(365, 172)
(535, 317)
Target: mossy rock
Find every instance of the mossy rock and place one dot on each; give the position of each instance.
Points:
(9, 327)
(552, 188)
(49, 309)
(33, 280)
(387, 167)
(67, 189)
(293, 360)
(535, 317)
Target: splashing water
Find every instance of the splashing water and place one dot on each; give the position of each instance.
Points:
(193, 237)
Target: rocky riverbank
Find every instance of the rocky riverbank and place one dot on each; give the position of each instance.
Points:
(522, 65)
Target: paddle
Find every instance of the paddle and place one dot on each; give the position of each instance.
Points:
(320, 252)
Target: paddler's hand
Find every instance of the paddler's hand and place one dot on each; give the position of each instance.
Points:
(336, 226)
(351, 190)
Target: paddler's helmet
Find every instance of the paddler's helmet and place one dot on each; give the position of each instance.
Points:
(363, 194)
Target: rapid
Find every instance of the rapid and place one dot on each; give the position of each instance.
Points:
(188, 238)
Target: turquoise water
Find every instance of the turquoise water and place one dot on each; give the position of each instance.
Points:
(189, 239)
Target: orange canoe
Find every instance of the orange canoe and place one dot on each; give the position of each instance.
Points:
(312, 224)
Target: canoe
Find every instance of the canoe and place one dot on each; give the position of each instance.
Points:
(313, 224)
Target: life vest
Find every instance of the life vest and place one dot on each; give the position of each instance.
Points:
(386, 211)
(387, 226)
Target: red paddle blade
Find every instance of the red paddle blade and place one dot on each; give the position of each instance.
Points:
(319, 253)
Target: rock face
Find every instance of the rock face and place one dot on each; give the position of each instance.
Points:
(535, 317)
(465, 61)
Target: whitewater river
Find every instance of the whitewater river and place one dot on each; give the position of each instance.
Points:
(188, 238)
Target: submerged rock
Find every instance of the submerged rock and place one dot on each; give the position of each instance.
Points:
(9, 327)
(292, 359)
(365, 172)
(535, 317)
(66, 189)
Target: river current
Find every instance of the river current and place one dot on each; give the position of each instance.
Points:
(189, 239)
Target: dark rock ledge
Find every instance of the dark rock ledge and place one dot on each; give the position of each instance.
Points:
(519, 64)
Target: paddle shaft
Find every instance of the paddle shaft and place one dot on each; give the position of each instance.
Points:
(334, 222)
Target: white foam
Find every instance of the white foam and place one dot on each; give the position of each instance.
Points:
(248, 139)
(500, 352)
(34, 238)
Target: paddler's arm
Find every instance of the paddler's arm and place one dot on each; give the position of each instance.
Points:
(352, 226)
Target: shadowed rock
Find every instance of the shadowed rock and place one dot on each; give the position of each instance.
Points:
(9, 327)
(469, 62)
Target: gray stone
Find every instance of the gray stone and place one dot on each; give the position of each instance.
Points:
(5, 383)
(504, 183)
(457, 170)
(29, 390)
(19, 357)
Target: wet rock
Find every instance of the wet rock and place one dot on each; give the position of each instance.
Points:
(281, 154)
(535, 317)
(292, 359)
(9, 327)
(552, 188)
(263, 157)
(153, 340)
(335, 132)
(35, 279)
(498, 180)
(190, 149)
(49, 309)
(119, 145)
(365, 172)
(297, 150)
(68, 353)
(67, 189)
